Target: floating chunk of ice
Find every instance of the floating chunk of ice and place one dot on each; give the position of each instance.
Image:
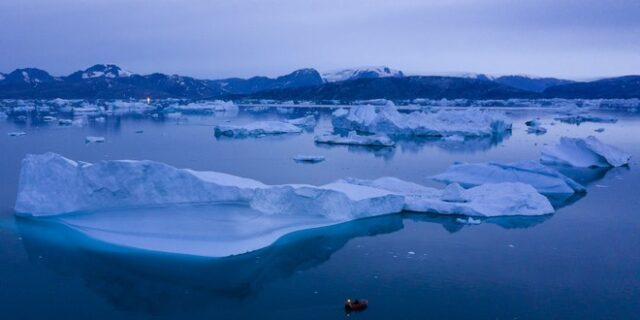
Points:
(578, 119)
(533, 126)
(309, 159)
(599, 130)
(257, 129)
(355, 139)
(16, 134)
(389, 121)
(93, 139)
(48, 119)
(589, 152)
(544, 179)
(304, 122)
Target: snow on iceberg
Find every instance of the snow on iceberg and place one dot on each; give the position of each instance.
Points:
(258, 128)
(487, 200)
(353, 138)
(589, 152)
(544, 179)
(389, 121)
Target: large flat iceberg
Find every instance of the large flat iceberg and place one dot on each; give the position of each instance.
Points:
(544, 179)
(354, 139)
(154, 206)
(388, 120)
(588, 152)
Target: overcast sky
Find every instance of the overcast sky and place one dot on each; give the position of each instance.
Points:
(578, 39)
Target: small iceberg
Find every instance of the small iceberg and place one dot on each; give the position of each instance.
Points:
(94, 139)
(307, 122)
(16, 134)
(256, 129)
(534, 127)
(389, 121)
(589, 152)
(578, 119)
(544, 179)
(353, 138)
(308, 159)
(49, 119)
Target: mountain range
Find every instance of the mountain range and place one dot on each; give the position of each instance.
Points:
(107, 81)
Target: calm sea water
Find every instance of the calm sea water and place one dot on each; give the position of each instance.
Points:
(582, 262)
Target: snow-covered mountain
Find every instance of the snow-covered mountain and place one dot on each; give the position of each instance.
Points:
(109, 71)
(31, 76)
(359, 73)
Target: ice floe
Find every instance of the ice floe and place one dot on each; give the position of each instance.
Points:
(94, 139)
(308, 158)
(304, 122)
(353, 138)
(389, 121)
(258, 128)
(544, 179)
(16, 134)
(588, 152)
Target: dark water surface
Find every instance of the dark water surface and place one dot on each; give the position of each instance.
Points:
(583, 262)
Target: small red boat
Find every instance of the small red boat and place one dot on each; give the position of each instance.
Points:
(355, 304)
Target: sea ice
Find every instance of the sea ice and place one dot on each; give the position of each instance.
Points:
(353, 138)
(258, 128)
(544, 179)
(16, 134)
(588, 152)
(389, 121)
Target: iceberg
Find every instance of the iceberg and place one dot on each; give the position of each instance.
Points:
(153, 206)
(588, 152)
(308, 158)
(487, 200)
(255, 129)
(16, 134)
(389, 121)
(92, 139)
(544, 179)
(353, 138)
